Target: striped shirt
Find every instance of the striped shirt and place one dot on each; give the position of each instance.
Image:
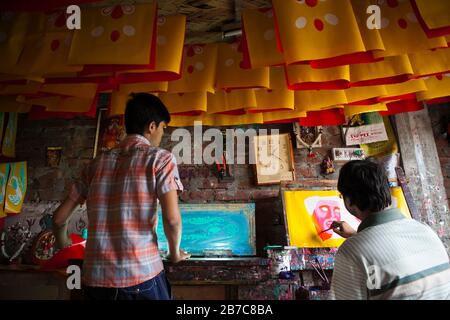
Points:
(121, 187)
(391, 257)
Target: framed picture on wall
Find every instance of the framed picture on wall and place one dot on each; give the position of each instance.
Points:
(110, 132)
(274, 159)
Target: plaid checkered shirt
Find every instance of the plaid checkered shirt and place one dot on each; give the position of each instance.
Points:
(121, 188)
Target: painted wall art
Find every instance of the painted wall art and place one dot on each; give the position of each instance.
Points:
(309, 215)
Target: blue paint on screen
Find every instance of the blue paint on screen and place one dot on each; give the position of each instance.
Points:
(214, 227)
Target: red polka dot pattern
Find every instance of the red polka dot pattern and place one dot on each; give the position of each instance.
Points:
(318, 24)
(117, 12)
(311, 3)
(402, 23)
(54, 45)
(115, 35)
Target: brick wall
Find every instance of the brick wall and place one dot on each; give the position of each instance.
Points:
(440, 117)
(76, 137)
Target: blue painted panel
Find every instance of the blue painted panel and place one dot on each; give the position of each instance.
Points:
(215, 227)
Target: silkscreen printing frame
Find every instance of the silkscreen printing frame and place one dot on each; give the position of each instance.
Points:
(245, 209)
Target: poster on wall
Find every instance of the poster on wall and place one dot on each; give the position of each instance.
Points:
(2, 124)
(16, 187)
(365, 128)
(4, 174)
(112, 132)
(386, 152)
(309, 215)
(9, 141)
(382, 148)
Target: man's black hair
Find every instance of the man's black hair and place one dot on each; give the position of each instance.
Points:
(141, 110)
(366, 185)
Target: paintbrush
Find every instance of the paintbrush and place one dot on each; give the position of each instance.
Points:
(326, 230)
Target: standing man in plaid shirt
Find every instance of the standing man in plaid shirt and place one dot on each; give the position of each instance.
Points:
(121, 188)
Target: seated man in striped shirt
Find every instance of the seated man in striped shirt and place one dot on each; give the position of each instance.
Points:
(389, 256)
(121, 188)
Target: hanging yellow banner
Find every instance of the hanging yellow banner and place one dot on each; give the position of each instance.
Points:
(9, 142)
(120, 34)
(13, 31)
(260, 36)
(314, 100)
(184, 102)
(2, 125)
(16, 187)
(312, 30)
(199, 70)
(401, 31)
(438, 87)
(231, 74)
(429, 62)
(4, 174)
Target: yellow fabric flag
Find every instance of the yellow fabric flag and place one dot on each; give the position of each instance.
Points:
(357, 94)
(303, 77)
(310, 213)
(4, 174)
(217, 102)
(216, 120)
(47, 54)
(46, 48)
(268, 100)
(198, 71)
(353, 110)
(314, 100)
(2, 125)
(120, 34)
(390, 70)
(260, 36)
(9, 141)
(285, 115)
(16, 187)
(184, 102)
(118, 103)
(394, 91)
(170, 41)
(15, 89)
(434, 13)
(79, 90)
(150, 87)
(119, 98)
(13, 30)
(278, 97)
(222, 101)
(230, 74)
(438, 87)
(63, 104)
(429, 62)
(401, 31)
(11, 104)
(312, 30)
(71, 104)
(371, 37)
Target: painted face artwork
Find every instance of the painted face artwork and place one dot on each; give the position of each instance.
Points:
(325, 212)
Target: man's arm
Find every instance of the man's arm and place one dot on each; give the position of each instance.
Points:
(60, 222)
(172, 225)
